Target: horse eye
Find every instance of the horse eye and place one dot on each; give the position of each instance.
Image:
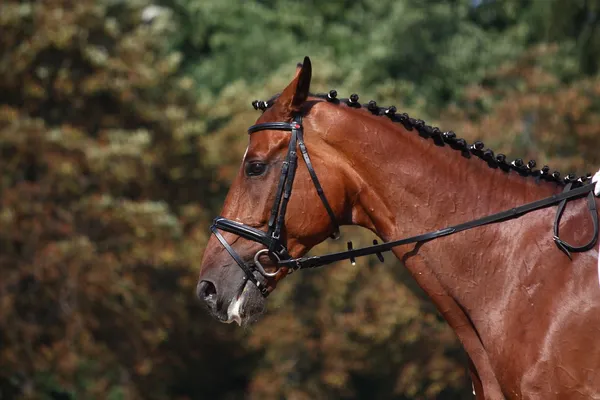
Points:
(255, 168)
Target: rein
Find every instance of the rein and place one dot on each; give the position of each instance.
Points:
(280, 256)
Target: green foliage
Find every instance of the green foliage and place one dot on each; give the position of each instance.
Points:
(102, 182)
(433, 48)
(528, 111)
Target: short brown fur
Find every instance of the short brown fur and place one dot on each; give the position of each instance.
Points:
(527, 316)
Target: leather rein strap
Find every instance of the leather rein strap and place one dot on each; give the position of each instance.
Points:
(318, 261)
(278, 252)
(564, 246)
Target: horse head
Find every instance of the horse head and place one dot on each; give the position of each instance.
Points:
(267, 220)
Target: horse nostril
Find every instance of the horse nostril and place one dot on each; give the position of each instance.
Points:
(208, 292)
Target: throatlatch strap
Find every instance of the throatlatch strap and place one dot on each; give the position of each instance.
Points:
(320, 192)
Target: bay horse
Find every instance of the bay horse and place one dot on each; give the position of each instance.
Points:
(524, 303)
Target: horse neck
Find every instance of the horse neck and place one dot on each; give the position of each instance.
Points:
(403, 185)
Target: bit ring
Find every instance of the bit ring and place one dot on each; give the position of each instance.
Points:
(259, 266)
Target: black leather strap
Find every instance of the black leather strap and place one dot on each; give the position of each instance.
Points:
(245, 231)
(290, 161)
(287, 191)
(272, 238)
(318, 261)
(272, 126)
(248, 232)
(320, 192)
(257, 279)
(564, 246)
(286, 180)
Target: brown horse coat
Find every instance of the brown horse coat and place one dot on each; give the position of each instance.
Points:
(527, 316)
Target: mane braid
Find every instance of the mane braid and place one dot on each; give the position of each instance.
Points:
(442, 138)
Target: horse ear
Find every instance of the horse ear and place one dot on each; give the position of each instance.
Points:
(295, 94)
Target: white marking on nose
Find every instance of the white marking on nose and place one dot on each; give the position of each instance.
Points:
(233, 311)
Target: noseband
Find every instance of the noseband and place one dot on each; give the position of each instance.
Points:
(271, 239)
(276, 250)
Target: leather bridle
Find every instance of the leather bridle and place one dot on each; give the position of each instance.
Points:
(276, 250)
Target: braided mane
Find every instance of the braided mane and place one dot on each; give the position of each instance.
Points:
(442, 138)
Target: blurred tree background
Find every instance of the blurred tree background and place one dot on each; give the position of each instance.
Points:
(122, 123)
